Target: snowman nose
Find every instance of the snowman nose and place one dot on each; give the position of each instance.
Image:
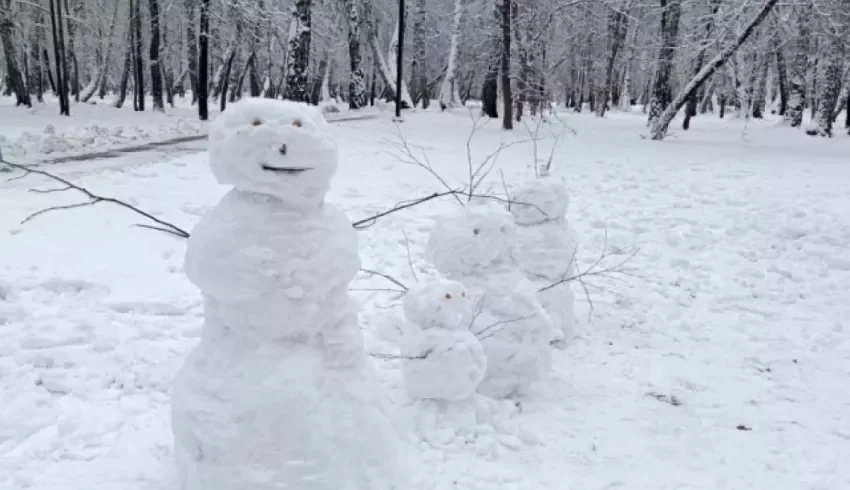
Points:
(282, 149)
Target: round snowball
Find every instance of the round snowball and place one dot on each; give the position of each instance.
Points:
(472, 238)
(280, 148)
(439, 304)
(444, 365)
(540, 200)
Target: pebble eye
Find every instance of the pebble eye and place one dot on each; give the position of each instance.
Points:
(256, 122)
(297, 123)
(448, 296)
(462, 295)
(476, 231)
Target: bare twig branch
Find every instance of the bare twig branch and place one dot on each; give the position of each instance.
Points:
(387, 277)
(409, 258)
(93, 199)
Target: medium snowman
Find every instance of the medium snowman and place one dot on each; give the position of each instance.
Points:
(546, 249)
(473, 246)
(279, 393)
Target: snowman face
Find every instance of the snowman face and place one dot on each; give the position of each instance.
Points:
(476, 237)
(439, 304)
(279, 148)
(540, 200)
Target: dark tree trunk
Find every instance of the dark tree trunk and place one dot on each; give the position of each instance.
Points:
(156, 68)
(72, 66)
(662, 92)
(618, 25)
(760, 88)
(691, 110)
(46, 67)
(782, 71)
(137, 54)
(318, 79)
(13, 72)
(490, 88)
(203, 61)
(59, 56)
(225, 80)
(299, 54)
(507, 99)
(125, 77)
(356, 80)
(192, 46)
(418, 79)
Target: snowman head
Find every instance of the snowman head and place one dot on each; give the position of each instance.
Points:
(439, 304)
(279, 148)
(479, 236)
(540, 200)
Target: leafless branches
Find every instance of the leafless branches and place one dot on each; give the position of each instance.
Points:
(93, 199)
(404, 289)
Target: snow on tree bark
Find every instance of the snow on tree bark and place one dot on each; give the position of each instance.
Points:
(392, 56)
(418, 79)
(356, 80)
(298, 60)
(797, 83)
(449, 94)
(192, 46)
(833, 51)
(59, 56)
(16, 79)
(760, 86)
(662, 123)
(618, 26)
(663, 91)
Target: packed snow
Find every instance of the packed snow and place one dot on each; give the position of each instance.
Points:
(719, 361)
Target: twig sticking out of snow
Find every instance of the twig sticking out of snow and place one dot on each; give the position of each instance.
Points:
(93, 199)
(388, 278)
(409, 258)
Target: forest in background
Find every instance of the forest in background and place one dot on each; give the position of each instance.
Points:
(517, 57)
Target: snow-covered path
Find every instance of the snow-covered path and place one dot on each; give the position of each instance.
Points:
(738, 316)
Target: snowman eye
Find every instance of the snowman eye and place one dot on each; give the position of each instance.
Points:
(256, 122)
(297, 123)
(476, 231)
(448, 296)
(462, 295)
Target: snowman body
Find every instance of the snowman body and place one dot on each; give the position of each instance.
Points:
(278, 393)
(473, 246)
(546, 249)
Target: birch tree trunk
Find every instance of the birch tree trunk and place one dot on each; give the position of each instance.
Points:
(797, 83)
(299, 54)
(449, 94)
(392, 56)
(356, 80)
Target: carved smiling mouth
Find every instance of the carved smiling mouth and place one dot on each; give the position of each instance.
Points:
(286, 170)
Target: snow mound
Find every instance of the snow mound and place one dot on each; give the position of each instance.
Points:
(540, 200)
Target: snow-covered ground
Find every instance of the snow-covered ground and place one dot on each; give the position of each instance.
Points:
(723, 364)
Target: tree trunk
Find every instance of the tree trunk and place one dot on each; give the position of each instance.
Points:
(156, 69)
(299, 54)
(659, 129)
(691, 110)
(797, 84)
(833, 51)
(356, 80)
(203, 61)
(782, 72)
(759, 90)
(663, 91)
(225, 80)
(192, 46)
(16, 79)
(137, 54)
(418, 79)
(392, 69)
(490, 88)
(449, 94)
(59, 56)
(618, 26)
(507, 99)
(71, 62)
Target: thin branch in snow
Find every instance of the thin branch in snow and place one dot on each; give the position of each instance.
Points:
(387, 277)
(92, 200)
(409, 258)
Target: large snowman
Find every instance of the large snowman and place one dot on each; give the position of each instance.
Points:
(474, 246)
(278, 394)
(547, 248)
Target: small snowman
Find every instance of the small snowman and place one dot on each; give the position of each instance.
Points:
(444, 361)
(278, 393)
(473, 246)
(546, 249)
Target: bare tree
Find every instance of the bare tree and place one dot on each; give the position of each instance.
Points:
(13, 72)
